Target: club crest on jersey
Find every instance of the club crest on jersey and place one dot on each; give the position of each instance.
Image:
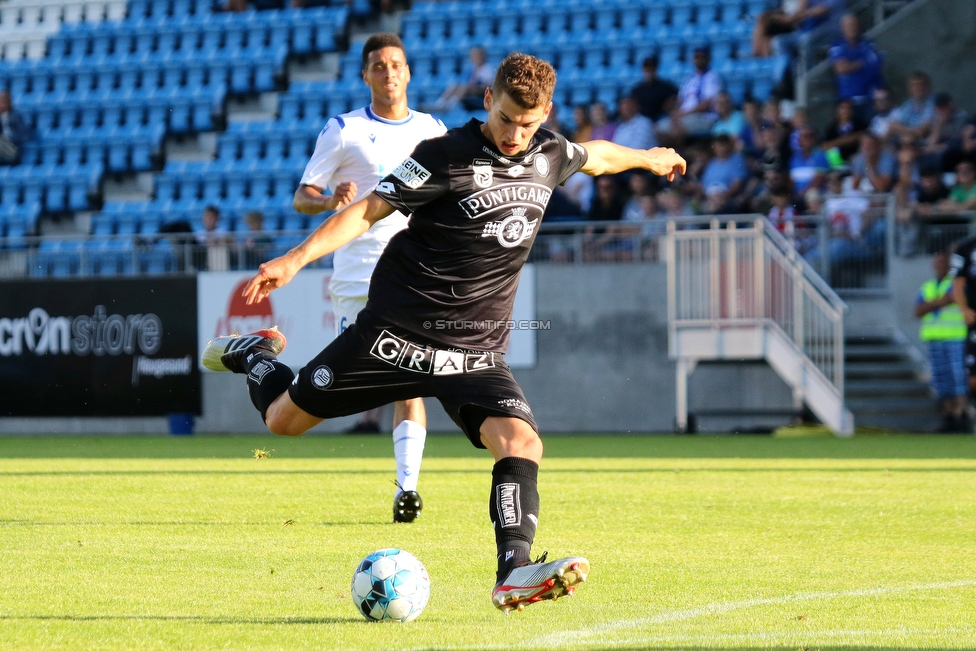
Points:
(515, 170)
(412, 173)
(542, 165)
(322, 377)
(511, 231)
(482, 172)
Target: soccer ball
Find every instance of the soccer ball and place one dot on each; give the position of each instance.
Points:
(390, 585)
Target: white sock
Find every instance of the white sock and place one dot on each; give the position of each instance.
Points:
(408, 447)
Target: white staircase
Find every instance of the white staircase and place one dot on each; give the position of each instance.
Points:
(744, 294)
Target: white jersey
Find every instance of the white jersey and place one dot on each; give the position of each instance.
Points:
(362, 147)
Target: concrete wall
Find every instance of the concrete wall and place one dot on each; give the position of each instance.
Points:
(602, 367)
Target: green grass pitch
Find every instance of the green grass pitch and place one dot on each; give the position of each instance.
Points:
(695, 542)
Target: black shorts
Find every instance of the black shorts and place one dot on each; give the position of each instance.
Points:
(970, 358)
(373, 363)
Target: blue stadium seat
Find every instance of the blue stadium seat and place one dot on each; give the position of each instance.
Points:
(731, 11)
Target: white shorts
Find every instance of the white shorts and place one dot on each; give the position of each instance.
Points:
(346, 309)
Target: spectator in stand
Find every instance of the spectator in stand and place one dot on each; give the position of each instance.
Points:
(844, 212)
(944, 330)
(730, 122)
(914, 117)
(13, 131)
(724, 178)
(640, 187)
(857, 65)
(798, 122)
(608, 206)
(671, 204)
(608, 201)
(257, 243)
(874, 167)
(881, 121)
(553, 123)
(655, 96)
(695, 114)
(931, 192)
(470, 93)
(790, 23)
(943, 146)
(751, 123)
(581, 120)
(809, 164)
(962, 196)
(579, 189)
(843, 133)
(601, 127)
(634, 130)
(968, 151)
(212, 251)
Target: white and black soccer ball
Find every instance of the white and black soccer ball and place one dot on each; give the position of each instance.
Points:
(390, 585)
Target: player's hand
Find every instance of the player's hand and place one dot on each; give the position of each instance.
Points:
(969, 314)
(271, 276)
(665, 161)
(344, 194)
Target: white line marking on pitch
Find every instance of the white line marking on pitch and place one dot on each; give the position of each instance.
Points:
(579, 636)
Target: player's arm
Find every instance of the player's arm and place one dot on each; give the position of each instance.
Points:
(605, 157)
(310, 200)
(341, 228)
(959, 296)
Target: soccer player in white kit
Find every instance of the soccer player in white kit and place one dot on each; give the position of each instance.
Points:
(353, 153)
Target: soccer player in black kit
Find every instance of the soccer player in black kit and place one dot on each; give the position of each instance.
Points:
(439, 301)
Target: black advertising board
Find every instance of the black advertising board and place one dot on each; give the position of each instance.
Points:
(99, 347)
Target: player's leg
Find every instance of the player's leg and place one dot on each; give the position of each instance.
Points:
(409, 437)
(514, 509)
(348, 300)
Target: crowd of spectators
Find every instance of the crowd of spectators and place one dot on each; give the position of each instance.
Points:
(769, 158)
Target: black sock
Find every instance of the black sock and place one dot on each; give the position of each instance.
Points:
(267, 378)
(514, 510)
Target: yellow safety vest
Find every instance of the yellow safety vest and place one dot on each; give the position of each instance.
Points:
(944, 324)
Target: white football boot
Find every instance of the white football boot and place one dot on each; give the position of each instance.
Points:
(539, 581)
(229, 353)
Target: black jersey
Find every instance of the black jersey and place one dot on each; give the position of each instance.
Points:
(963, 263)
(451, 276)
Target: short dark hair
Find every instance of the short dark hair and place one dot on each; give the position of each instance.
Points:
(380, 41)
(212, 208)
(650, 62)
(529, 81)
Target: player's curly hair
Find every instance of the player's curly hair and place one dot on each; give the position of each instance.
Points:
(527, 80)
(380, 41)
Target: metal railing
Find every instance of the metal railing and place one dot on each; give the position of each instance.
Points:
(744, 272)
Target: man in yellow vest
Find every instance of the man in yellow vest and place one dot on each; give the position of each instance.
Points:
(944, 328)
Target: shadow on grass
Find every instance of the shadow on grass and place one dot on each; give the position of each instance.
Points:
(199, 619)
(457, 446)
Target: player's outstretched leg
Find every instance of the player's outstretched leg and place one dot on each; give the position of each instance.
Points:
(254, 354)
(514, 510)
(409, 437)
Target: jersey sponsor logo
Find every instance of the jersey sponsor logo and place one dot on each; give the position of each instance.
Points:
(515, 170)
(542, 165)
(385, 188)
(412, 173)
(500, 159)
(430, 361)
(511, 231)
(503, 196)
(515, 403)
(322, 377)
(482, 172)
(509, 504)
(572, 147)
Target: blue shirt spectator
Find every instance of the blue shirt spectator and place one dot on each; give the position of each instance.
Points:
(727, 171)
(808, 164)
(856, 63)
(634, 129)
(914, 117)
(730, 122)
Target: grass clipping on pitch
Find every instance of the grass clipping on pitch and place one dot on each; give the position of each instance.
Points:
(179, 543)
